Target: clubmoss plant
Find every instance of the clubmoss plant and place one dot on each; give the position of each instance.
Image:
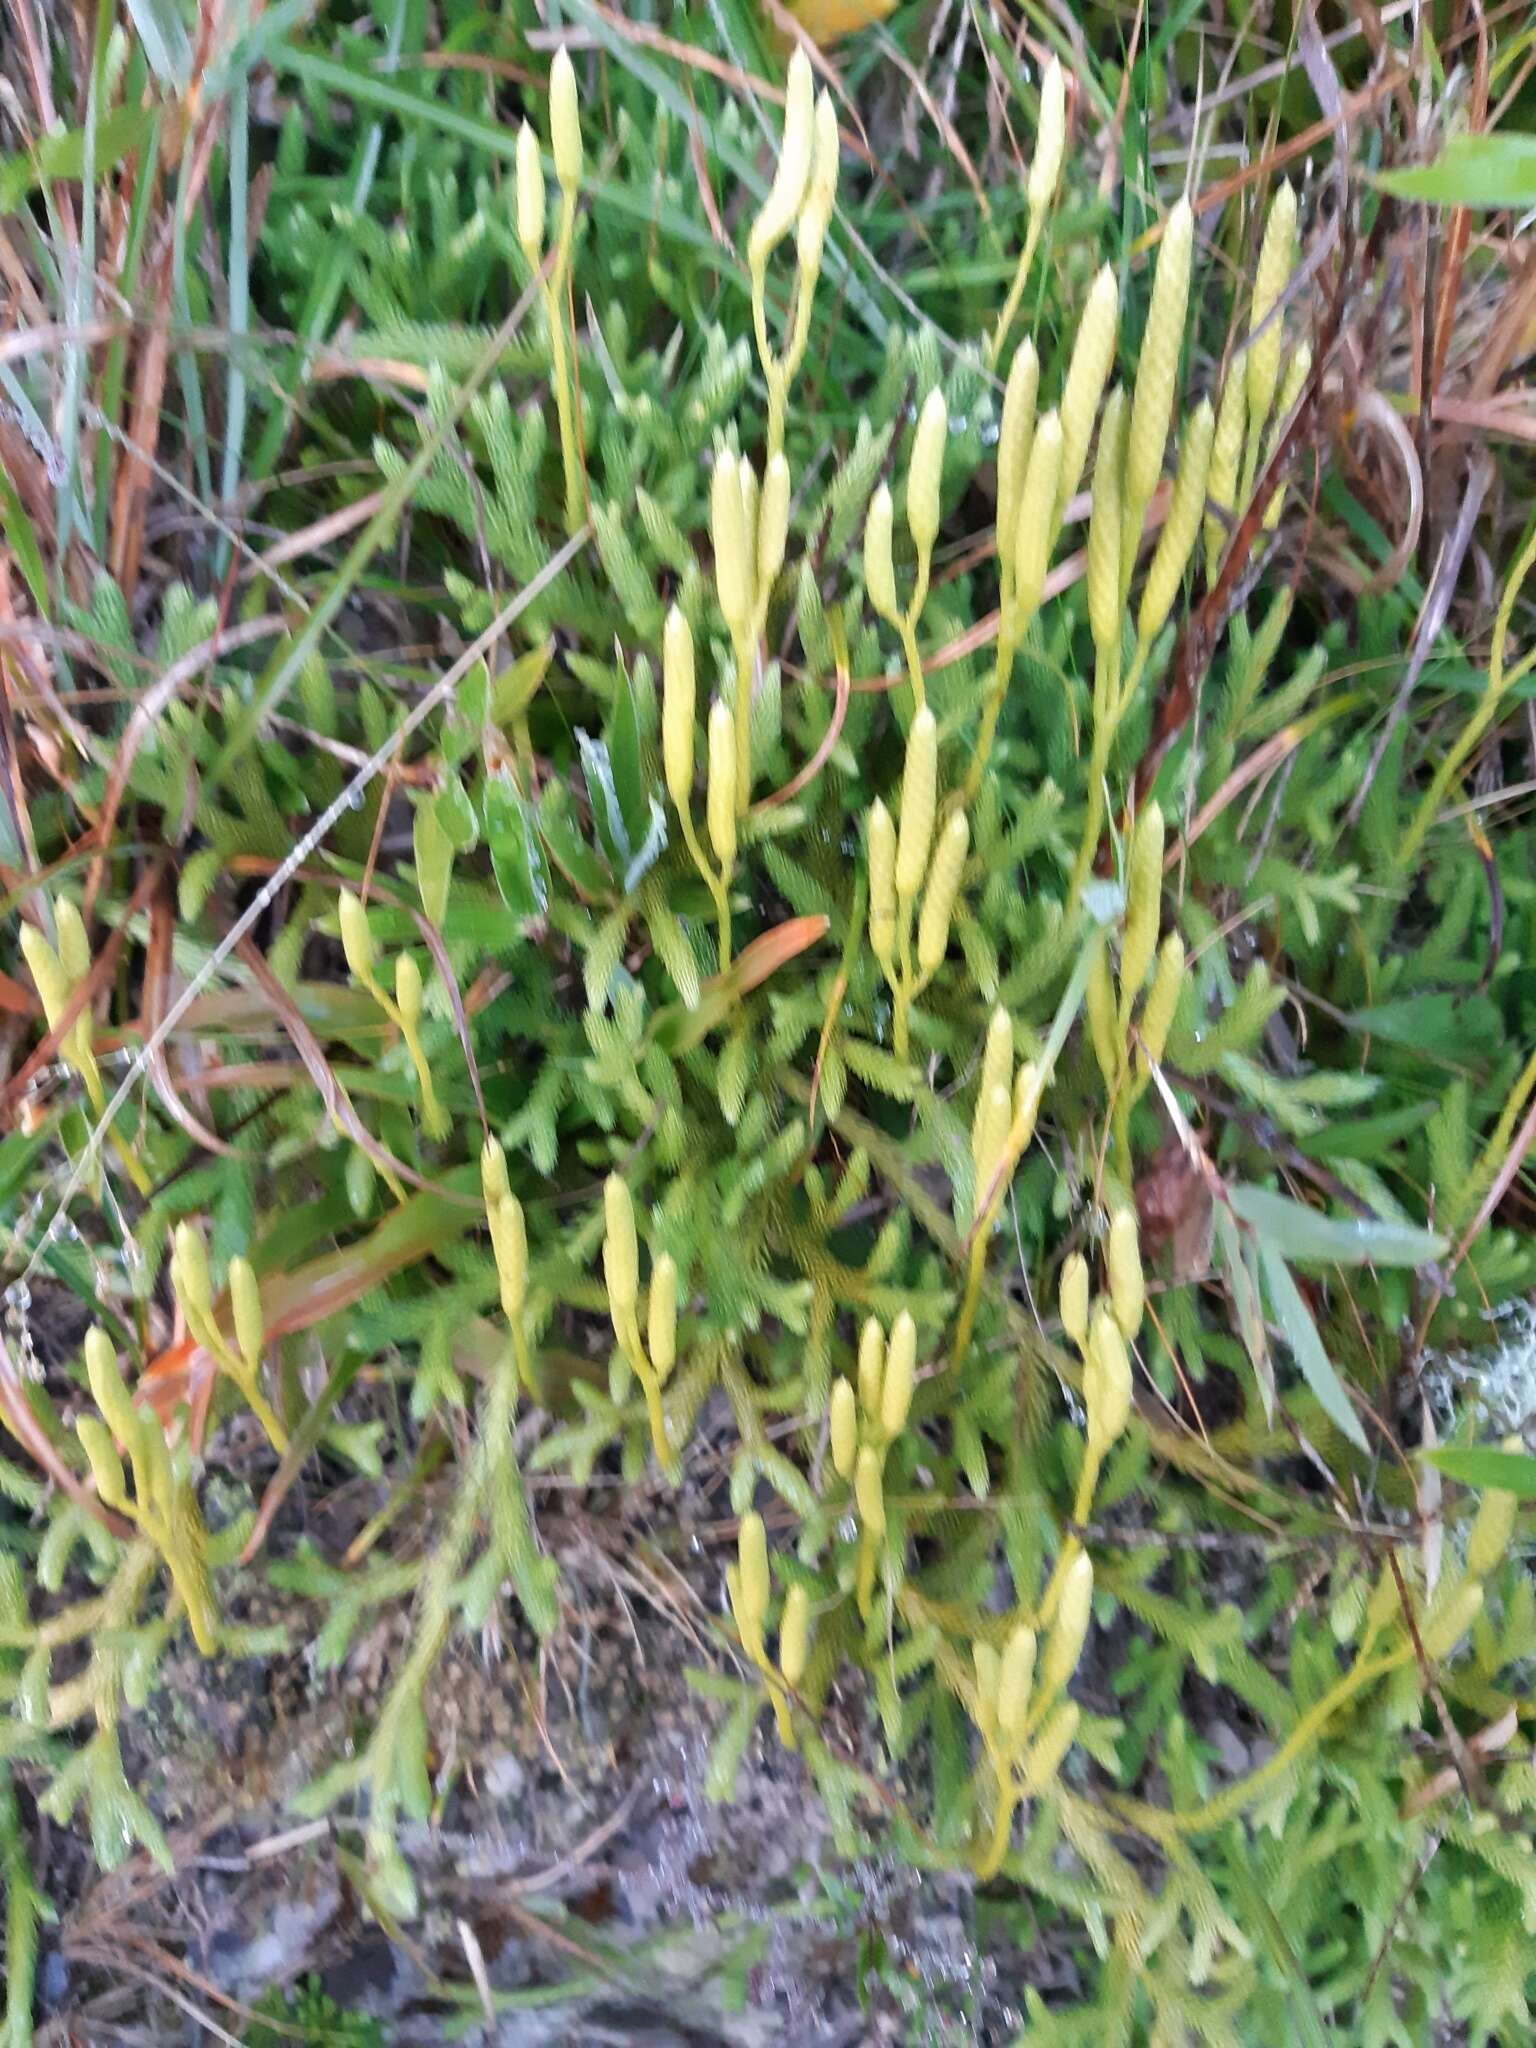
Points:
(886, 1012)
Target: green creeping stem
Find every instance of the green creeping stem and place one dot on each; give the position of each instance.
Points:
(21, 1917)
(1163, 1825)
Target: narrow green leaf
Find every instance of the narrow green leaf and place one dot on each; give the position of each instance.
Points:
(1296, 1232)
(1507, 1471)
(166, 43)
(623, 740)
(1295, 1319)
(19, 531)
(1242, 1287)
(1310, 2027)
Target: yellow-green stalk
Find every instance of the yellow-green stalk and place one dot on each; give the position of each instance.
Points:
(925, 472)
(1011, 1114)
(554, 285)
(1107, 1393)
(193, 1287)
(871, 1367)
(1110, 535)
(749, 1587)
(1277, 260)
(1033, 535)
(661, 1317)
(1297, 371)
(900, 1370)
(1157, 377)
(879, 563)
(987, 1670)
(996, 1072)
(403, 1008)
(869, 1496)
(1015, 438)
(1221, 484)
(1127, 1282)
(720, 787)
(1040, 191)
(565, 121)
(795, 1635)
(1016, 1674)
(163, 1503)
(994, 1114)
(57, 976)
(678, 697)
(919, 804)
(880, 847)
(1093, 352)
(1160, 1007)
(1143, 907)
(940, 897)
(621, 1274)
(800, 201)
(1180, 530)
(1073, 1299)
(843, 1425)
(1069, 1630)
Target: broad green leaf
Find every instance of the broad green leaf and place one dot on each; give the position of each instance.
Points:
(456, 815)
(518, 684)
(1296, 1232)
(62, 156)
(1295, 1319)
(608, 819)
(1370, 1137)
(474, 697)
(1472, 170)
(517, 858)
(567, 847)
(1508, 1471)
(433, 853)
(1448, 1026)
